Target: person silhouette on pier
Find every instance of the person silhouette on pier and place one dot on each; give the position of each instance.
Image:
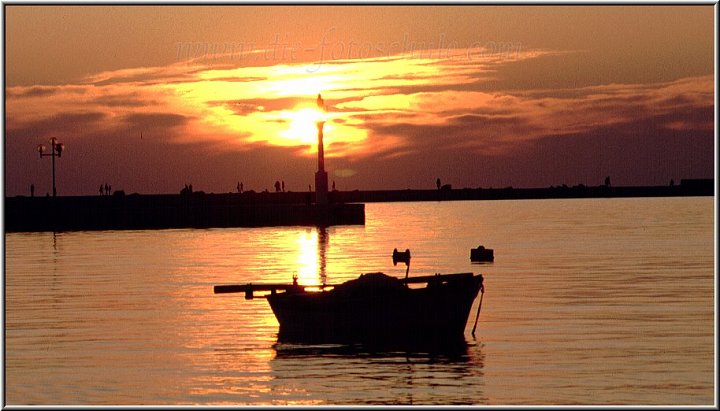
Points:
(238, 187)
(283, 186)
(101, 191)
(32, 190)
(333, 189)
(437, 183)
(277, 186)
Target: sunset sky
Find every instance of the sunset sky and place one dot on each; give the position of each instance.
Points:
(149, 98)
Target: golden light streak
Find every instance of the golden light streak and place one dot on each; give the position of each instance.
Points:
(307, 258)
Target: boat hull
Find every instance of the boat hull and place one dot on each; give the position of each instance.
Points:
(377, 308)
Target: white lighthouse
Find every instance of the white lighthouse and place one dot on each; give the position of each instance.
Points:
(321, 178)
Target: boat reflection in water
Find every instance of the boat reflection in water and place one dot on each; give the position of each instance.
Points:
(360, 375)
(451, 351)
(375, 309)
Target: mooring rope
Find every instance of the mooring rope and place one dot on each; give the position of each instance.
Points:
(482, 292)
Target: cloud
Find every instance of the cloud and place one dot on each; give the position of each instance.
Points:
(240, 106)
(248, 106)
(133, 99)
(465, 118)
(43, 91)
(385, 109)
(157, 122)
(61, 125)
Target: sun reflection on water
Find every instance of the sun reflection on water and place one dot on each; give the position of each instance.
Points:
(307, 258)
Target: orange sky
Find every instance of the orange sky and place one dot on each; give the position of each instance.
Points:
(149, 98)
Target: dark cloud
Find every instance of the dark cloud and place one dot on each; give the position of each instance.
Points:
(484, 119)
(380, 118)
(147, 76)
(636, 112)
(239, 79)
(690, 118)
(244, 107)
(62, 124)
(124, 100)
(165, 123)
(42, 91)
(471, 84)
(34, 91)
(637, 152)
(461, 132)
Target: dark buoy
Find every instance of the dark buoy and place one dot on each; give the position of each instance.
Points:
(481, 254)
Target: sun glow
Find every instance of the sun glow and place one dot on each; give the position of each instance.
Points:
(251, 106)
(303, 125)
(370, 102)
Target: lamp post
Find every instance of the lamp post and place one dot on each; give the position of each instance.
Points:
(56, 150)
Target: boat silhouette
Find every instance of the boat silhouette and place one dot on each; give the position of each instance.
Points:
(374, 308)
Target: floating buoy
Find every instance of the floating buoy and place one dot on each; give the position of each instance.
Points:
(481, 254)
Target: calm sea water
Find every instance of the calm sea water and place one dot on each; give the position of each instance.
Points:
(607, 301)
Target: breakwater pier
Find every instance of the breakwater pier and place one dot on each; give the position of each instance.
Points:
(251, 209)
(192, 210)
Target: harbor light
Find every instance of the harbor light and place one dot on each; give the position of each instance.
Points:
(321, 177)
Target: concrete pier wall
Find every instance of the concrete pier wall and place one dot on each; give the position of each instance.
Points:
(194, 210)
(251, 209)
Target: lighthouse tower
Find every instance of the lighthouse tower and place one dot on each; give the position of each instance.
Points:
(321, 177)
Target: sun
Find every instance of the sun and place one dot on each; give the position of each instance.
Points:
(302, 124)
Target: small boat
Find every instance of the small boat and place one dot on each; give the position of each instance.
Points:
(374, 308)
(481, 254)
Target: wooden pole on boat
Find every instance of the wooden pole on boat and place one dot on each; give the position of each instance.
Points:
(482, 292)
